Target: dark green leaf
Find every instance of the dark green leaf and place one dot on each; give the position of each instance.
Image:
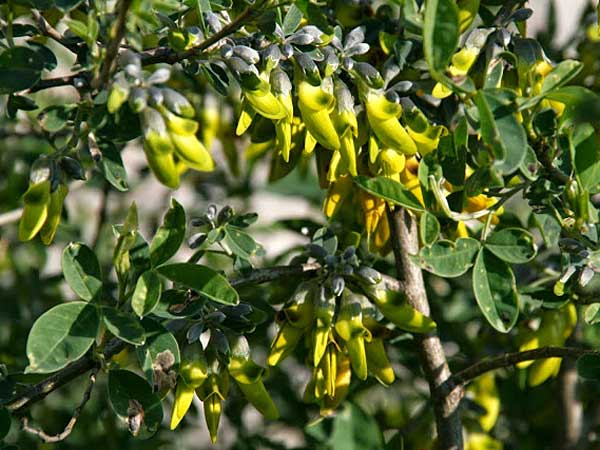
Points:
(127, 391)
(61, 335)
(82, 270)
(20, 68)
(124, 326)
(389, 190)
(241, 243)
(495, 291)
(4, 423)
(500, 129)
(588, 367)
(159, 343)
(55, 118)
(111, 166)
(146, 294)
(202, 279)
(587, 157)
(513, 245)
(169, 236)
(440, 33)
(448, 259)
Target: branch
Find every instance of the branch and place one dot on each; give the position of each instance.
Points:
(45, 27)
(405, 242)
(167, 55)
(112, 48)
(78, 80)
(40, 390)
(71, 424)
(511, 359)
(10, 216)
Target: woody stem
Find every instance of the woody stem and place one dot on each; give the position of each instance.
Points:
(405, 242)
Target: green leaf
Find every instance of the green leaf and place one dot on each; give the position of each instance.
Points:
(389, 190)
(588, 367)
(241, 243)
(169, 236)
(495, 291)
(592, 314)
(440, 33)
(587, 157)
(513, 245)
(61, 335)
(4, 423)
(564, 72)
(126, 390)
(292, 20)
(20, 68)
(500, 129)
(429, 228)
(111, 166)
(159, 342)
(78, 28)
(146, 294)
(82, 270)
(124, 326)
(448, 259)
(202, 279)
(580, 104)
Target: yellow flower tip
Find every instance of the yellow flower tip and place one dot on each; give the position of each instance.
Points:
(191, 151)
(184, 395)
(212, 415)
(37, 201)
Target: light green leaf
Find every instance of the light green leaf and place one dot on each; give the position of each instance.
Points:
(513, 245)
(440, 33)
(448, 259)
(169, 236)
(160, 343)
(564, 72)
(292, 19)
(202, 279)
(61, 335)
(124, 326)
(146, 294)
(389, 190)
(592, 314)
(429, 228)
(241, 243)
(587, 157)
(125, 390)
(495, 291)
(82, 270)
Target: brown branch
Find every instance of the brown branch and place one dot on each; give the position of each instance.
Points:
(167, 55)
(48, 438)
(40, 390)
(77, 80)
(45, 28)
(114, 44)
(405, 242)
(510, 359)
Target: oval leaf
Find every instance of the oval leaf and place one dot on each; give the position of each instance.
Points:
(82, 270)
(495, 291)
(133, 400)
(440, 33)
(513, 245)
(429, 228)
(202, 279)
(449, 259)
(169, 236)
(124, 326)
(146, 294)
(61, 335)
(389, 190)
(160, 343)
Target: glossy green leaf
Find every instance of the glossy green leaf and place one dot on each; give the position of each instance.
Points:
(20, 68)
(513, 245)
(146, 294)
(440, 33)
(160, 343)
(389, 190)
(124, 326)
(128, 393)
(169, 236)
(580, 104)
(587, 157)
(241, 243)
(448, 259)
(429, 228)
(495, 291)
(202, 279)
(564, 72)
(82, 270)
(61, 335)
(500, 129)
(588, 367)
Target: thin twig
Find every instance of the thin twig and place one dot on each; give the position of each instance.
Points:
(112, 49)
(45, 27)
(511, 359)
(71, 424)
